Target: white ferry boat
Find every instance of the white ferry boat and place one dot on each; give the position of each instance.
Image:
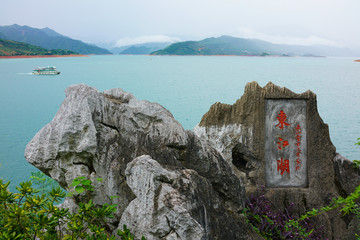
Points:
(46, 71)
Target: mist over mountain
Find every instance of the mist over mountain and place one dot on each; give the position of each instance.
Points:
(227, 45)
(224, 45)
(47, 38)
(144, 48)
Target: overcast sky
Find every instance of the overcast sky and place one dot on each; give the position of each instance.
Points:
(306, 22)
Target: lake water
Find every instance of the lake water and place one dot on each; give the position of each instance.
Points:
(185, 85)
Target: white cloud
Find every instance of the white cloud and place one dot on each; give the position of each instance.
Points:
(146, 39)
(285, 39)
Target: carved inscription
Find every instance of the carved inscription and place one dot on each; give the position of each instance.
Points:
(285, 143)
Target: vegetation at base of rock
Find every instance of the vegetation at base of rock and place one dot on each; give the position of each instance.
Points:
(13, 48)
(358, 143)
(43, 182)
(127, 235)
(30, 214)
(274, 224)
(282, 224)
(357, 162)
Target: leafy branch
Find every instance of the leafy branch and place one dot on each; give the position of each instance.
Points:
(32, 214)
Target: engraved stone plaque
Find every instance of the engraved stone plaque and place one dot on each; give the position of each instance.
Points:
(285, 143)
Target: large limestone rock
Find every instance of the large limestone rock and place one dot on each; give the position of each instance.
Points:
(177, 184)
(238, 132)
(98, 134)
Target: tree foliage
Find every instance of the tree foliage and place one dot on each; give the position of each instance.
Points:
(32, 214)
(13, 48)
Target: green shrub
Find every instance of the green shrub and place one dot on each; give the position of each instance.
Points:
(43, 183)
(32, 214)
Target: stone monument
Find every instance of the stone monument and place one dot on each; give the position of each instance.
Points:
(275, 138)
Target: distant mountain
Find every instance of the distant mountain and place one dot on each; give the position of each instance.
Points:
(13, 48)
(2, 36)
(47, 38)
(144, 48)
(226, 45)
(51, 32)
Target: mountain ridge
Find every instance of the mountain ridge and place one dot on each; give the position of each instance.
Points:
(47, 38)
(227, 45)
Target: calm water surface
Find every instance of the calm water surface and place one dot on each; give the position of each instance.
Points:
(187, 86)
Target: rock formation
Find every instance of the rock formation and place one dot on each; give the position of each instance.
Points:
(177, 184)
(237, 132)
(99, 134)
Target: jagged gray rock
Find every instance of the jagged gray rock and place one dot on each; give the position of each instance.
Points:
(159, 211)
(97, 134)
(176, 205)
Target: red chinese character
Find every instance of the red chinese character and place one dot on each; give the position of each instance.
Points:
(282, 143)
(282, 117)
(298, 144)
(298, 164)
(298, 152)
(283, 165)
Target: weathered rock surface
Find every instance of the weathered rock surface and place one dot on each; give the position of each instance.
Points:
(98, 134)
(175, 204)
(237, 132)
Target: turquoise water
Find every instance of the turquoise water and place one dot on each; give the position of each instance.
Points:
(187, 86)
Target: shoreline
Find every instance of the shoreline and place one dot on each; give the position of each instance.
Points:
(226, 55)
(42, 56)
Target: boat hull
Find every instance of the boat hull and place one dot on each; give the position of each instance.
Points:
(46, 73)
